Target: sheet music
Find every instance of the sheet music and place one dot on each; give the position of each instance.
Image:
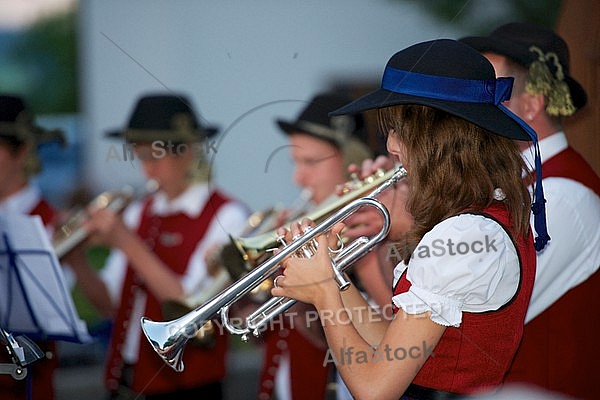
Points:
(34, 299)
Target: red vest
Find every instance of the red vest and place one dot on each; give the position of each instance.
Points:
(560, 349)
(173, 239)
(308, 376)
(476, 355)
(40, 372)
(45, 211)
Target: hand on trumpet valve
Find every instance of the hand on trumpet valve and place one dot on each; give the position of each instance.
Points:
(366, 221)
(369, 167)
(307, 278)
(364, 174)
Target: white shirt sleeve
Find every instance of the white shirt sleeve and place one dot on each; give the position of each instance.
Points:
(229, 220)
(465, 263)
(573, 253)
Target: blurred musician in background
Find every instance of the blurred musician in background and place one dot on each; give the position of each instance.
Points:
(162, 251)
(321, 148)
(559, 351)
(19, 139)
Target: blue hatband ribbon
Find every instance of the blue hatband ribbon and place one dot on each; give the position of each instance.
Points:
(490, 91)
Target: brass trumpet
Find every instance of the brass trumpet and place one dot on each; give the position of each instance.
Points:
(169, 338)
(243, 254)
(70, 234)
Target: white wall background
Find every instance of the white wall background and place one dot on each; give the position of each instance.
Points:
(243, 64)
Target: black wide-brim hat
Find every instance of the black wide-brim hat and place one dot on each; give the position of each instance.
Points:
(514, 41)
(18, 123)
(450, 76)
(163, 117)
(453, 77)
(314, 120)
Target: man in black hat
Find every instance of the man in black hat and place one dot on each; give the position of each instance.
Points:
(559, 350)
(19, 139)
(462, 290)
(322, 148)
(162, 252)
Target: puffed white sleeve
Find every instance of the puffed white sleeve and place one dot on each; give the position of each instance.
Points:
(230, 220)
(466, 263)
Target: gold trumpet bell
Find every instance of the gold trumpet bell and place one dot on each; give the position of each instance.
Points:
(245, 253)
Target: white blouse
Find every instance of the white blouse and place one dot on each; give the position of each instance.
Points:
(465, 263)
(573, 216)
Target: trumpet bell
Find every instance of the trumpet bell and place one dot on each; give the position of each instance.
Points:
(170, 349)
(204, 337)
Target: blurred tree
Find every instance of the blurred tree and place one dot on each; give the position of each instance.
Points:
(46, 56)
(477, 17)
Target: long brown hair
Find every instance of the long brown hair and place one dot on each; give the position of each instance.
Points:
(454, 166)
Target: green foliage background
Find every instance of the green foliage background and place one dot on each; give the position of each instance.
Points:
(41, 65)
(479, 17)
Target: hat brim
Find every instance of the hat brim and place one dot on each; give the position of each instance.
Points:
(523, 56)
(204, 133)
(520, 54)
(487, 116)
(290, 128)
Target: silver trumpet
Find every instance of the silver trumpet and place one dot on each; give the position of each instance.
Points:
(169, 338)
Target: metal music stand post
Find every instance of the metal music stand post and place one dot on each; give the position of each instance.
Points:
(22, 351)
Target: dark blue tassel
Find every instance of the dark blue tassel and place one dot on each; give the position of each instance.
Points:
(538, 207)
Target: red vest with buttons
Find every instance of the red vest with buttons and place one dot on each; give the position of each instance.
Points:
(560, 349)
(476, 355)
(42, 371)
(307, 376)
(173, 239)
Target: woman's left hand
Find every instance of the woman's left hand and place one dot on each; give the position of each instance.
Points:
(308, 279)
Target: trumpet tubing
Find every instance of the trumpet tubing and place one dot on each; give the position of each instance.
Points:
(169, 338)
(244, 253)
(71, 233)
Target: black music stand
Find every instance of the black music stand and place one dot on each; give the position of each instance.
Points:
(22, 352)
(34, 299)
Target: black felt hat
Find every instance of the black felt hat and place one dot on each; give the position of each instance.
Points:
(450, 76)
(163, 117)
(528, 43)
(17, 123)
(314, 120)
(453, 77)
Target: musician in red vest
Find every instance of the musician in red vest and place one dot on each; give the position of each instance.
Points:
(162, 251)
(462, 290)
(560, 350)
(19, 139)
(321, 148)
